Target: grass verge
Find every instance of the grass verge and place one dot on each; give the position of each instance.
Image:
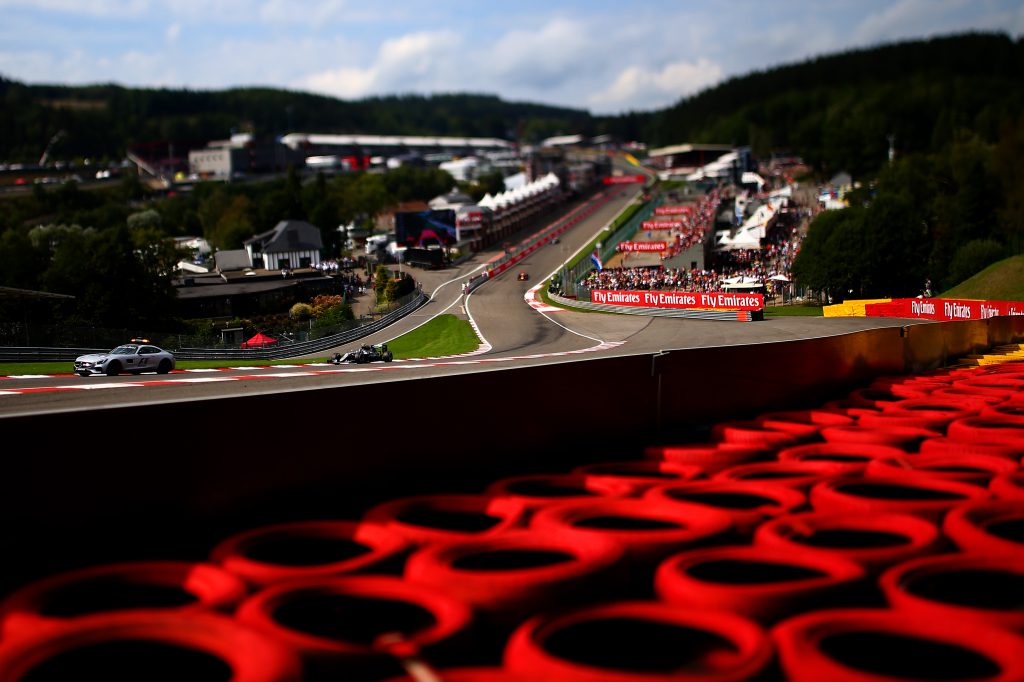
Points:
(444, 335)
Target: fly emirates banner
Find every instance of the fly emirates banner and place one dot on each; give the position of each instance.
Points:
(679, 299)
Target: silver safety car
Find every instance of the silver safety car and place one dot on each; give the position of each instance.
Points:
(129, 358)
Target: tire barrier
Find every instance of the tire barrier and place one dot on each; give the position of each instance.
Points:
(307, 549)
(178, 586)
(971, 394)
(851, 408)
(711, 457)
(907, 438)
(509, 577)
(358, 626)
(929, 498)
(862, 645)
(794, 474)
(974, 469)
(908, 387)
(425, 519)
(805, 423)
(878, 397)
(747, 502)
(754, 433)
(468, 674)
(152, 646)
(987, 430)
(855, 456)
(648, 532)
(886, 419)
(875, 541)
(1008, 485)
(761, 583)
(959, 587)
(991, 527)
(639, 642)
(612, 478)
(937, 413)
(535, 491)
(1010, 411)
(948, 446)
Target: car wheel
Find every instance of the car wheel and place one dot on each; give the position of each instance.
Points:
(164, 367)
(83, 374)
(388, 358)
(113, 369)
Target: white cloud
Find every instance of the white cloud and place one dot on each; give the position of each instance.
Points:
(637, 88)
(418, 62)
(172, 33)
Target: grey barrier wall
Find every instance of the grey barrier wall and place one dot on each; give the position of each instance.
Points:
(168, 480)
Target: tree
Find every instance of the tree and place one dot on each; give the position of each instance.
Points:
(380, 281)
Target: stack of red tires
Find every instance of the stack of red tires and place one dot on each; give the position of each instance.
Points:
(879, 536)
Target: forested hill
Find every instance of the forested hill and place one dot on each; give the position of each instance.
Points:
(837, 110)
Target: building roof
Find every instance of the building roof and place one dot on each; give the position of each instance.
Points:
(288, 236)
(686, 148)
(232, 259)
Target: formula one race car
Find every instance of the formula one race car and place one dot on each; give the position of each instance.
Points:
(376, 353)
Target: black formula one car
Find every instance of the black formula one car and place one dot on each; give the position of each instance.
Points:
(366, 353)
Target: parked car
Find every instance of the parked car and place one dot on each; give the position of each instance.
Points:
(136, 357)
(366, 353)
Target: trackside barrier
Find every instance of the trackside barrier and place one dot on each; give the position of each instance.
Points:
(174, 478)
(689, 313)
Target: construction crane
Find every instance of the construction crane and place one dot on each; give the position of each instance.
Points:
(49, 146)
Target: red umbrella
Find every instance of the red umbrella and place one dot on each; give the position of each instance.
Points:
(259, 341)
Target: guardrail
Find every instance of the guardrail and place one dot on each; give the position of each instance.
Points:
(300, 348)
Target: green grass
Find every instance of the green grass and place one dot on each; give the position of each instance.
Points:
(443, 335)
(793, 311)
(1001, 281)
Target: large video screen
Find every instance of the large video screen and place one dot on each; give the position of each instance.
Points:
(425, 228)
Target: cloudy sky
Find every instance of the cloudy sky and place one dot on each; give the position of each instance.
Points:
(603, 56)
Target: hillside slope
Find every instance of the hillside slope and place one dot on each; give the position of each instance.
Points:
(1002, 281)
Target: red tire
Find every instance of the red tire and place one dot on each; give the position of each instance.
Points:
(971, 394)
(805, 423)
(648, 532)
(711, 457)
(425, 519)
(851, 408)
(177, 586)
(936, 411)
(973, 469)
(1010, 410)
(754, 433)
(872, 645)
(1008, 485)
(855, 456)
(466, 674)
(795, 474)
(639, 642)
(907, 438)
(956, 587)
(990, 527)
(149, 645)
(512, 576)
(747, 502)
(307, 549)
(929, 498)
(948, 446)
(878, 397)
(635, 476)
(987, 430)
(343, 626)
(760, 583)
(534, 491)
(875, 541)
